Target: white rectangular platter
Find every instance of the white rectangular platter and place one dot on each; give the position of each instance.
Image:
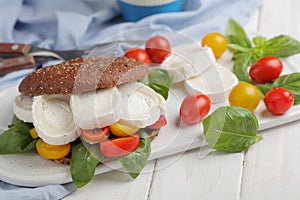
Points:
(29, 169)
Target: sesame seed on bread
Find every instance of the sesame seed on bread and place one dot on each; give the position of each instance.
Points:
(81, 75)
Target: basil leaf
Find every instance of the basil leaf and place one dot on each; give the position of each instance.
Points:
(160, 80)
(17, 138)
(259, 41)
(237, 48)
(134, 162)
(282, 46)
(241, 65)
(236, 34)
(290, 82)
(231, 129)
(82, 164)
(243, 42)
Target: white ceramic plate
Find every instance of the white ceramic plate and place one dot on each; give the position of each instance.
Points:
(29, 169)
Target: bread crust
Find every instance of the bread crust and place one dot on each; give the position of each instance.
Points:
(81, 75)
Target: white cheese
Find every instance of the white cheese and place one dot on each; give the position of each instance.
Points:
(22, 107)
(53, 119)
(142, 106)
(187, 61)
(96, 109)
(216, 82)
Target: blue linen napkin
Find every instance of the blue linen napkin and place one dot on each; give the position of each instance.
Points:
(64, 24)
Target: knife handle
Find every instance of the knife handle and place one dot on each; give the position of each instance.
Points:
(13, 49)
(13, 64)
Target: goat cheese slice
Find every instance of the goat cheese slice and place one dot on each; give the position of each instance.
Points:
(53, 119)
(96, 109)
(216, 82)
(187, 61)
(22, 108)
(142, 106)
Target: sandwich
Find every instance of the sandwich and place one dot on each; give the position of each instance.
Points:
(89, 110)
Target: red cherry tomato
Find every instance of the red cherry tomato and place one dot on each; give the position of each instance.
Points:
(161, 122)
(158, 48)
(95, 135)
(194, 108)
(120, 146)
(278, 100)
(138, 54)
(266, 69)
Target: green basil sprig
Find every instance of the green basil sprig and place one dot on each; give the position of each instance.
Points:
(134, 162)
(83, 164)
(231, 129)
(245, 54)
(160, 80)
(290, 82)
(17, 138)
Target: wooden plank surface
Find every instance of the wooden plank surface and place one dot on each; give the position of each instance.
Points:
(116, 185)
(271, 169)
(217, 176)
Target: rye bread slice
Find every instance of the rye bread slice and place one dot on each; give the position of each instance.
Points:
(81, 75)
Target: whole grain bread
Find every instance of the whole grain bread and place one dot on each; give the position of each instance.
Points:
(81, 75)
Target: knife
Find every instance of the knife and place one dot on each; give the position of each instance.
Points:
(23, 56)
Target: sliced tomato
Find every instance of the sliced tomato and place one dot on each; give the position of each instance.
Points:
(161, 122)
(95, 135)
(122, 130)
(120, 146)
(33, 133)
(50, 151)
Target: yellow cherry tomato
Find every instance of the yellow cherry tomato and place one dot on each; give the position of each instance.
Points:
(49, 151)
(122, 130)
(216, 41)
(245, 95)
(33, 133)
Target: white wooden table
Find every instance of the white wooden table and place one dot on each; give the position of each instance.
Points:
(268, 170)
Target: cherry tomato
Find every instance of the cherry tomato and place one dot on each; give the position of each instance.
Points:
(278, 100)
(244, 95)
(120, 146)
(122, 130)
(138, 54)
(33, 133)
(49, 151)
(266, 69)
(158, 48)
(95, 135)
(161, 122)
(194, 108)
(216, 41)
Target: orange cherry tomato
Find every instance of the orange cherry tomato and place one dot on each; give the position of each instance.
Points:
(216, 41)
(120, 146)
(161, 122)
(95, 135)
(50, 151)
(244, 95)
(138, 54)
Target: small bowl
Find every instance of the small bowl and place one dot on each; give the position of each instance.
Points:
(134, 10)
